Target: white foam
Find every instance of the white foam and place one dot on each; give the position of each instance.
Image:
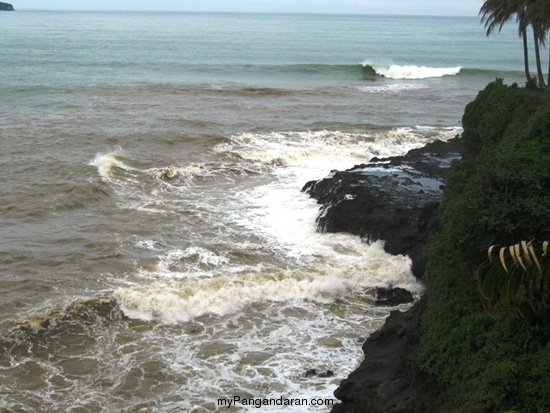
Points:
(295, 157)
(147, 244)
(412, 71)
(340, 266)
(194, 281)
(318, 152)
(178, 176)
(189, 262)
(390, 88)
(153, 190)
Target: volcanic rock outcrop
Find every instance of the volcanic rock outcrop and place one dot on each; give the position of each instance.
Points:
(395, 200)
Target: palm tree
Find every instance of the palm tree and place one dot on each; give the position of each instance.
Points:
(495, 13)
(539, 40)
(533, 16)
(539, 12)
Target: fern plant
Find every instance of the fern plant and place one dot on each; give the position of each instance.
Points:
(515, 276)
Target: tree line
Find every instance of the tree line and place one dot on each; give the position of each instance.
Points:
(530, 15)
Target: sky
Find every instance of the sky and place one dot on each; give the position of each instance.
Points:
(406, 7)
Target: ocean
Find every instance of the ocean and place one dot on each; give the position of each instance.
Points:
(157, 253)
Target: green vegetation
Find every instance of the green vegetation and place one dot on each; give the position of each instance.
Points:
(499, 194)
(528, 13)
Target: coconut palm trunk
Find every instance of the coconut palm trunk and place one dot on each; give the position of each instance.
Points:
(539, 16)
(526, 56)
(540, 75)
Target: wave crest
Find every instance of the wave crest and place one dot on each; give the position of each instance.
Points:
(340, 264)
(411, 71)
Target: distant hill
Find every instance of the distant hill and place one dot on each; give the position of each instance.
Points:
(6, 6)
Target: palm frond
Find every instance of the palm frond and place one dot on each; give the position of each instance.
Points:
(520, 276)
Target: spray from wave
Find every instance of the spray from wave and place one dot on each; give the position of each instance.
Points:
(106, 163)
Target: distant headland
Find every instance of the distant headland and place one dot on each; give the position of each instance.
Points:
(6, 6)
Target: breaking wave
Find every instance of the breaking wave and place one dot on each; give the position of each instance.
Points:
(362, 266)
(410, 71)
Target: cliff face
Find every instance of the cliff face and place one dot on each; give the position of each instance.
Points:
(396, 200)
(6, 6)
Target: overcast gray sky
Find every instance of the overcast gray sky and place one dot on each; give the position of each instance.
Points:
(428, 7)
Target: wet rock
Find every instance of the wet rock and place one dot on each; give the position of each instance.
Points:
(394, 199)
(389, 379)
(393, 296)
(324, 374)
(311, 372)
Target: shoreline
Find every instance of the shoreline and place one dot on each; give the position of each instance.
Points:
(394, 199)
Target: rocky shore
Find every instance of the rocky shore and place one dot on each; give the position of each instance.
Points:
(396, 200)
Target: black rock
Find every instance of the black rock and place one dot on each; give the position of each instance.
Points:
(389, 379)
(394, 199)
(311, 372)
(393, 296)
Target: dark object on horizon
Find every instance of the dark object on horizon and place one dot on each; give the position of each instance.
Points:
(6, 6)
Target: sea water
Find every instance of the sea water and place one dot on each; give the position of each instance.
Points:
(157, 254)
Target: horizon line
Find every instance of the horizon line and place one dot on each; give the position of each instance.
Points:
(342, 13)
